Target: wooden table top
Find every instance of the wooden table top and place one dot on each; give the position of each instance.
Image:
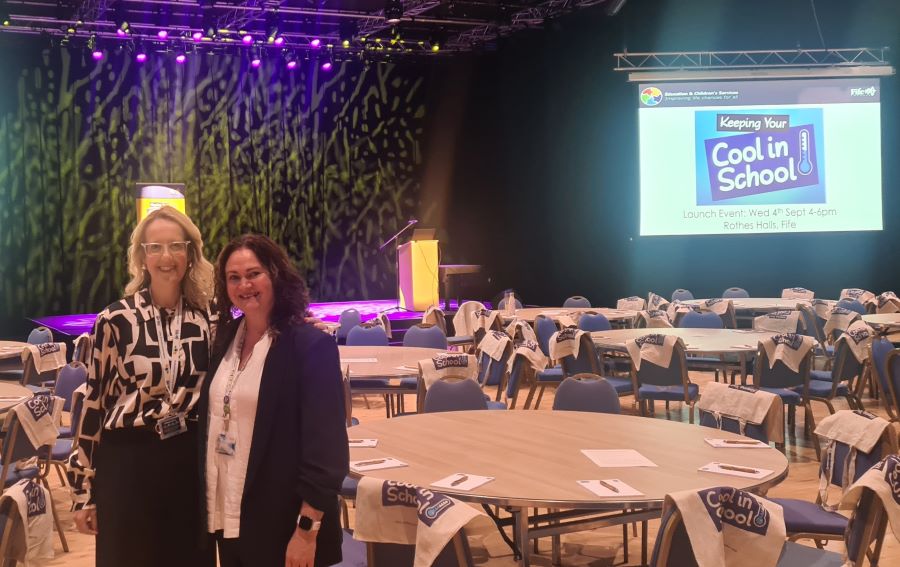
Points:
(883, 319)
(757, 303)
(712, 341)
(536, 458)
(530, 313)
(11, 349)
(11, 394)
(388, 361)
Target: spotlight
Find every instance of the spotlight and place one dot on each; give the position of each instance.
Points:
(4, 13)
(140, 57)
(123, 28)
(279, 40)
(162, 34)
(256, 60)
(347, 31)
(96, 54)
(291, 64)
(272, 27)
(393, 11)
(326, 64)
(315, 43)
(436, 39)
(247, 39)
(180, 58)
(197, 36)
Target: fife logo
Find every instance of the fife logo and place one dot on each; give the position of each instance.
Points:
(736, 508)
(651, 96)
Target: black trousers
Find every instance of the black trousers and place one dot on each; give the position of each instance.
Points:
(229, 551)
(147, 492)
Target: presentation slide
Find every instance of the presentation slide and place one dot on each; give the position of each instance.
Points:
(760, 157)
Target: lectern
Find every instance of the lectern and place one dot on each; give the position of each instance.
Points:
(417, 272)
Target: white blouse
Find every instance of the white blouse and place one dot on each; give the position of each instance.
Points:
(225, 474)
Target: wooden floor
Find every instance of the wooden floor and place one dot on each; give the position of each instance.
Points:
(594, 548)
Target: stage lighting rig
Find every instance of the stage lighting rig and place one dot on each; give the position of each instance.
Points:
(123, 27)
(4, 13)
(393, 11)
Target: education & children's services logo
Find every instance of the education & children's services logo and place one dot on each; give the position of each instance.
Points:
(651, 96)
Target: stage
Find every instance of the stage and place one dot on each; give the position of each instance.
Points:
(74, 325)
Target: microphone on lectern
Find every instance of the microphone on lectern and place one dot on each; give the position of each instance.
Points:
(413, 221)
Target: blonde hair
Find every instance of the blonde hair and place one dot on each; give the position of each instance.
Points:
(197, 285)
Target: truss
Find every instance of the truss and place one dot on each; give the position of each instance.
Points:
(707, 60)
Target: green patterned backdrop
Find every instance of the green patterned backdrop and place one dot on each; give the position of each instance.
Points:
(326, 164)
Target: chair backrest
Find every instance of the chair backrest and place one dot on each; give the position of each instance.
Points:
(427, 336)
(349, 318)
(675, 374)
(576, 301)
(70, 377)
(40, 335)
(889, 383)
(367, 336)
(517, 373)
(459, 395)
(16, 446)
(866, 526)
(544, 327)
(733, 425)
(852, 305)
(455, 554)
(586, 392)
(813, 325)
(82, 351)
(435, 316)
(697, 320)
(682, 295)
(594, 322)
(12, 532)
(586, 362)
(779, 375)
(490, 371)
(30, 374)
(845, 367)
(863, 461)
(735, 292)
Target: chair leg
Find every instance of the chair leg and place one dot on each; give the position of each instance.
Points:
(530, 396)
(537, 402)
(56, 522)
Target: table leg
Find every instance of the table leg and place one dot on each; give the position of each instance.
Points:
(520, 516)
(743, 361)
(644, 542)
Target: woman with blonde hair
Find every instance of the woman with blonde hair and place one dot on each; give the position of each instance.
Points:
(135, 463)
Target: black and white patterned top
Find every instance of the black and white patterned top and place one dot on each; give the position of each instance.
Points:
(125, 385)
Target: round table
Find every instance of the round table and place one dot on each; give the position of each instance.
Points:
(742, 342)
(384, 361)
(536, 460)
(758, 304)
(888, 321)
(12, 394)
(11, 349)
(529, 314)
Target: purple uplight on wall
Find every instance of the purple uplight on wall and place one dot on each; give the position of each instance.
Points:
(291, 64)
(97, 54)
(140, 57)
(181, 58)
(162, 34)
(255, 62)
(248, 39)
(197, 36)
(326, 66)
(315, 43)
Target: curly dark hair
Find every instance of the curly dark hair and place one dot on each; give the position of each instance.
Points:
(291, 294)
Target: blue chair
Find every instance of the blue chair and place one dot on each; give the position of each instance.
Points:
(594, 322)
(808, 520)
(792, 387)
(682, 295)
(668, 384)
(374, 336)
(361, 554)
(446, 395)
(37, 382)
(841, 381)
(813, 325)
(517, 373)
(707, 320)
(349, 318)
(587, 392)
(852, 305)
(576, 301)
(886, 363)
(40, 335)
(735, 293)
(493, 373)
(425, 336)
(367, 336)
(544, 327)
(70, 377)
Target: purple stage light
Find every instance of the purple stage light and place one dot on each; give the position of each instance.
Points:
(140, 57)
(291, 64)
(121, 33)
(255, 62)
(181, 58)
(248, 39)
(279, 40)
(162, 34)
(326, 66)
(97, 54)
(315, 43)
(197, 36)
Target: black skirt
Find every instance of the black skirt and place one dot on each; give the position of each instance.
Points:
(148, 501)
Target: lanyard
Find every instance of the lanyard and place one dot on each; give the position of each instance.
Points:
(169, 363)
(236, 372)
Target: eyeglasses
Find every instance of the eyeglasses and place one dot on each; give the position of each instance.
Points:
(158, 248)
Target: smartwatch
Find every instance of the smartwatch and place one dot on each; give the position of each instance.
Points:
(307, 524)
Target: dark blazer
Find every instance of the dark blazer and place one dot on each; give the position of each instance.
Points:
(299, 451)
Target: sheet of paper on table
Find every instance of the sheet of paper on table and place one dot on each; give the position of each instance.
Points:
(735, 470)
(462, 481)
(376, 464)
(736, 443)
(621, 488)
(363, 443)
(614, 458)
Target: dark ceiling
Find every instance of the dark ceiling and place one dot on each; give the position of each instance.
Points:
(453, 25)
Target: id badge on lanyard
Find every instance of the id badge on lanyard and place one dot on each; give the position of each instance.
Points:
(173, 423)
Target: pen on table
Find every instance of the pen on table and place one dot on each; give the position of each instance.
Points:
(738, 469)
(740, 442)
(608, 486)
(367, 463)
(462, 478)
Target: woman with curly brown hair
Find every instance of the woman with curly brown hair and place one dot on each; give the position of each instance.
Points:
(275, 451)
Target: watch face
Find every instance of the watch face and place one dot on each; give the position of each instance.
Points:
(305, 523)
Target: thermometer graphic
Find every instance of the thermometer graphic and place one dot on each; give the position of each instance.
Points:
(805, 165)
